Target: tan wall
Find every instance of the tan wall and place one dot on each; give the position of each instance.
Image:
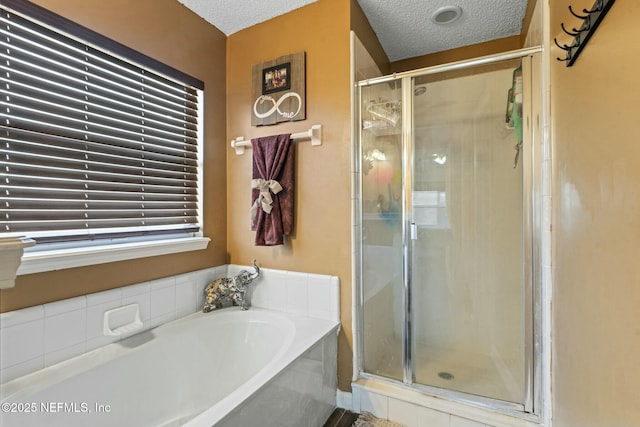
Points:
(321, 242)
(168, 32)
(596, 152)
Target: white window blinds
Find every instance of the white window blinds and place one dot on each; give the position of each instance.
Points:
(94, 144)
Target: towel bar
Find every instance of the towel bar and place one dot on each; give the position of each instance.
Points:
(314, 134)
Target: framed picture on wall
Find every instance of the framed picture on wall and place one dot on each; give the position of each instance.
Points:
(276, 78)
(278, 90)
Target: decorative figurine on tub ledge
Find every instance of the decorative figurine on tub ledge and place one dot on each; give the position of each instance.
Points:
(228, 291)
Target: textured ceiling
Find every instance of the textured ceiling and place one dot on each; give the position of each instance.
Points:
(404, 27)
(230, 16)
(405, 30)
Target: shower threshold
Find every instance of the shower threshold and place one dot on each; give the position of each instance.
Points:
(393, 400)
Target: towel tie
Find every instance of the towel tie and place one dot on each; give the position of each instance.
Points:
(264, 199)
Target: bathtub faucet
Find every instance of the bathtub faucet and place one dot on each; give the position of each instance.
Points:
(228, 291)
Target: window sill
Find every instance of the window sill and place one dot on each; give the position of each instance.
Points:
(41, 261)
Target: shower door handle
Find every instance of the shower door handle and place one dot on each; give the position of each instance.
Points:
(414, 231)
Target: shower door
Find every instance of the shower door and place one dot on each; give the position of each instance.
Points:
(468, 277)
(445, 286)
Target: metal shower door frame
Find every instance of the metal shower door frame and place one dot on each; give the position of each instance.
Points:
(531, 226)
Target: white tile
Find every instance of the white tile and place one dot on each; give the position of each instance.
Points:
(321, 314)
(186, 296)
(546, 147)
(374, 403)
(146, 325)
(184, 311)
(356, 400)
(161, 320)
(259, 294)
(165, 282)
(186, 278)
(463, 422)
(335, 295)
(64, 330)
(297, 293)
(198, 291)
(95, 319)
(319, 292)
(21, 343)
(162, 301)
(67, 328)
(344, 400)
(139, 289)
(101, 341)
(104, 297)
(221, 271)
(65, 306)
(208, 275)
(143, 302)
(546, 213)
(21, 369)
(403, 412)
(271, 290)
(546, 248)
(431, 418)
(64, 354)
(13, 318)
(545, 185)
(233, 269)
(323, 297)
(277, 296)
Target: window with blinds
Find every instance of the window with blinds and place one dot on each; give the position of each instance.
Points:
(98, 140)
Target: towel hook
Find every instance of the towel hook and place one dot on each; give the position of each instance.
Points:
(566, 49)
(564, 46)
(591, 19)
(576, 15)
(599, 5)
(575, 34)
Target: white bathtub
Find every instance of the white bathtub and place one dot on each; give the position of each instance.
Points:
(226, 368)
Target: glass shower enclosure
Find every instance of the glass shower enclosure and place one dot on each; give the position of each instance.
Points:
(445, 295)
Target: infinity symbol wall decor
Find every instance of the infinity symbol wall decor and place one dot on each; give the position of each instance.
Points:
(275, 107)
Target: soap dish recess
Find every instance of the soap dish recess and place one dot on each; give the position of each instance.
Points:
(122, 320)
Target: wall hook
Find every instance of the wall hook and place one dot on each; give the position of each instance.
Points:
(576, 15)
(574, 34)
(565, 48)
(597, 7)
(581, 36)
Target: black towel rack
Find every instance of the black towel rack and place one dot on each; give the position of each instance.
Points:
(590, 21)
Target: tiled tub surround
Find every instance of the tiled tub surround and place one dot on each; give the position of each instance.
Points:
(38, 337)
(225, 368)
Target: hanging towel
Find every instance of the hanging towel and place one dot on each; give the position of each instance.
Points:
(272, 189)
